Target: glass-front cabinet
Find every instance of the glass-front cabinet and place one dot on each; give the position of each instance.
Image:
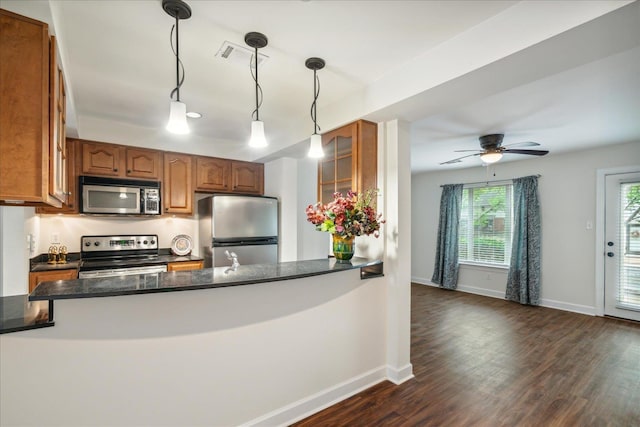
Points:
(350, 160)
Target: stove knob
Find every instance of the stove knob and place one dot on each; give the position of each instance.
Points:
(145, 242)
(96, 243)
(153, 242)
(87, 243)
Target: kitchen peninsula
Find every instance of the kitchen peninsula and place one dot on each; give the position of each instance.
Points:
(235, 347)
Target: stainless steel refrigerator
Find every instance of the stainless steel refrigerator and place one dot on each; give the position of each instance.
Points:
(245, 225)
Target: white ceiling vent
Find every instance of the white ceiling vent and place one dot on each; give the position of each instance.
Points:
(239, 55)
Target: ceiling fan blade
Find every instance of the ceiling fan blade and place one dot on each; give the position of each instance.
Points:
(452, 161)
(522, 144)
(529, 152)
(467, 151)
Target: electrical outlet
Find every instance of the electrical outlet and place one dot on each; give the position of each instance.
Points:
(55, 238)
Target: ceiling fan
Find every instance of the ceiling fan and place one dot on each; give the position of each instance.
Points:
(492, 149)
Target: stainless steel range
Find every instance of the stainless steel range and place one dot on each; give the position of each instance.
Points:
(112, 256)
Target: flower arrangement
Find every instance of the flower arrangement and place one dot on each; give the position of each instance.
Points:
(347, 216)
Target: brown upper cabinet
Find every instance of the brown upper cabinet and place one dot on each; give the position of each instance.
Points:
(102, 159)
(177, 194)
(143, 163)
(213, 174)
(350, 160)
(229, 176)
(247, 177)
(33, 163)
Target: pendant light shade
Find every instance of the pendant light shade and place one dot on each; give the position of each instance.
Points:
(315, 147)
(178, 118)
(315, 144)
(256, 41)
(178, 112)
(258, 139)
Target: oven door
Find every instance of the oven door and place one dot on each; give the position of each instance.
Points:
(110, 200)
(117, 272)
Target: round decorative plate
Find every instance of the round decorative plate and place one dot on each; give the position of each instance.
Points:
(181, 244)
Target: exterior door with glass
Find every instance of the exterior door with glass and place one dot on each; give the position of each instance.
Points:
(622, 246)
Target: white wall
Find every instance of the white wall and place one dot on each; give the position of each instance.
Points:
(567, 191)
(312, 244)
(15, 226)
(280, 180)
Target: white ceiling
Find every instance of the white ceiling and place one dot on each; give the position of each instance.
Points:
(543, 72)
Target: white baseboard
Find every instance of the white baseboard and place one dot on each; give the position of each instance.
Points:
(558, 305)
(481, 291)
(303, 408)
(398, 376)
(421, 281)
(566, 306)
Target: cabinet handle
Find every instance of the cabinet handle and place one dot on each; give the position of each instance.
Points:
(115, 169)
(128, 170)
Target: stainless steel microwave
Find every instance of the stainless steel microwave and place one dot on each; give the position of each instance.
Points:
(119, 196)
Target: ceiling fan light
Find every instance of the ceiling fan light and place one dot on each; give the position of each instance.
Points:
(178, 118)
(315, 147)
(258, 139)
(491, 157)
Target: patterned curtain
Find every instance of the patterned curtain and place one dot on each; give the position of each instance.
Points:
(445, 272)
(523, 283)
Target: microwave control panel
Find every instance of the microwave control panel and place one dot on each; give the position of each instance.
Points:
(151, 201)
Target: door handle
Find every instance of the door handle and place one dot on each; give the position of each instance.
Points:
(610, 254)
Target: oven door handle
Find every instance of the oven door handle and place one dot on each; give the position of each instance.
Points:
(122, 272)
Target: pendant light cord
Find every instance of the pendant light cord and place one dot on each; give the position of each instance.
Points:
(259, 95)
(179, 66)
(314, 106)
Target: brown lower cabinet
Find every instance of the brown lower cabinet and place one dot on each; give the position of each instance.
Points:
(47, 276)
(185, 265)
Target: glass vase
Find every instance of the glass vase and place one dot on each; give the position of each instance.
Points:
(343, 247)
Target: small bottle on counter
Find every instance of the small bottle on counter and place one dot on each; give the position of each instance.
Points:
(52, 255)
(62, 255)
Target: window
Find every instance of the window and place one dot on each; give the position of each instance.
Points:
(485, 225)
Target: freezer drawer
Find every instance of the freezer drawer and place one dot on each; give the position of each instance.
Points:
(254, 254)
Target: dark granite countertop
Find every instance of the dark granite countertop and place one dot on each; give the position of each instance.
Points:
(199, 279)
(17, 313)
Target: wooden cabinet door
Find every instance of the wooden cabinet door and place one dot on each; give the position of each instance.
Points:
(350, 160)
(48, 276)
(185, 265)
(336, 170)
(177, 185)
(73, 162)
(24, 113)
(213, 174)
(143, 163)
(57, 125)
(247, 177)
(101, 159)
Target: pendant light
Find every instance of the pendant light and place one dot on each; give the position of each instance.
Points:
(256, 41)
(178, 113)
(315, 147)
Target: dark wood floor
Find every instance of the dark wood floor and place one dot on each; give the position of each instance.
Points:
(481, 361)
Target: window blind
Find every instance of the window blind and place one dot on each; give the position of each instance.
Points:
(485, 224)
